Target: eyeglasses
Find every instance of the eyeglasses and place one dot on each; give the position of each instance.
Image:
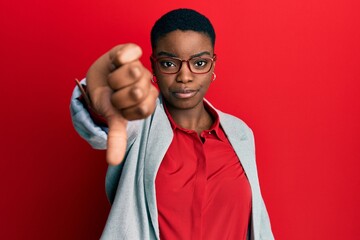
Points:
(172, 65)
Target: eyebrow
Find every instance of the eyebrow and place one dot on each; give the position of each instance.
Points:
(163, 53)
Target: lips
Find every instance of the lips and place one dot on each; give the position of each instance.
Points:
(184, 93)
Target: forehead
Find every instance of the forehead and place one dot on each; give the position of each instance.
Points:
(184, 43)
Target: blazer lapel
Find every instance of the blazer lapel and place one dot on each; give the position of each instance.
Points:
(159, 139)
(241, 139)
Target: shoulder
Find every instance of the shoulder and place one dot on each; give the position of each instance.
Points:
(234, 126)
(229, 118)
(231, 124)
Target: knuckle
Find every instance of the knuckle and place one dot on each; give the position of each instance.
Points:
(144, 110)
(135, 71)
(140, 111)
(136, 93)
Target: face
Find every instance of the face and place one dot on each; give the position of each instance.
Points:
(184, 89)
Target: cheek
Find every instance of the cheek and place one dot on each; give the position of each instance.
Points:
(161, 87)
(163, 83)
(206, 81)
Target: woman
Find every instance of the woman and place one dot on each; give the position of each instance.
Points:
(179, 168)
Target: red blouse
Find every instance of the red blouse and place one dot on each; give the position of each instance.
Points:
(202, 191)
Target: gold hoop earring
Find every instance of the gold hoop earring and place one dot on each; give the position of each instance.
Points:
(214, 77)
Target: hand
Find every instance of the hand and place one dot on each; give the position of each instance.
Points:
(120, 90)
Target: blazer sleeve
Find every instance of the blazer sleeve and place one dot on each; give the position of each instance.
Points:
(95, 135)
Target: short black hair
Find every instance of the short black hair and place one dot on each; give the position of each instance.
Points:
(182, 19)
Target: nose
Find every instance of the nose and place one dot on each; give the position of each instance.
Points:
(184, 75)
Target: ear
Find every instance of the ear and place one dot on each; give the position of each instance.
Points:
(214, 63)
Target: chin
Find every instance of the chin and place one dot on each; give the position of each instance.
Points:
(184, 104)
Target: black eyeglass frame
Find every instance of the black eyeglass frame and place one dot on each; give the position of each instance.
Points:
(212, 59)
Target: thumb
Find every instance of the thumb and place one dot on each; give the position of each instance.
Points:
(117, 139)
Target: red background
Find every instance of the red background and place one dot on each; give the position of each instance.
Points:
(290, 69)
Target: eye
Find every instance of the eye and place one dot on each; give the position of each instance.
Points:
(167, 63)
(200, 63)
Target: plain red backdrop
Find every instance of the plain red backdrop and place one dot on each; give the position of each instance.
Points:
(290, 69)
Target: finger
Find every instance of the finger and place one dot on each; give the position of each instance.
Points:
(123, 54)
(126, 75)
(116, 143)
(144, 108)
(133, 94)
(97, 76)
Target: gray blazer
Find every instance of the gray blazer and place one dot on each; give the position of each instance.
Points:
(130, 187)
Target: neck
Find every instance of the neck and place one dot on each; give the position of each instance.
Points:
(197, 119)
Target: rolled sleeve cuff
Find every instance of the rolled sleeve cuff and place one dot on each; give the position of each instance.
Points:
(94, 134)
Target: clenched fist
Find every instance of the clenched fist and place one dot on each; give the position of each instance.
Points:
(120, 89)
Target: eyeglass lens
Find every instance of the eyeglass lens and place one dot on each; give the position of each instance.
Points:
(173, 65)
